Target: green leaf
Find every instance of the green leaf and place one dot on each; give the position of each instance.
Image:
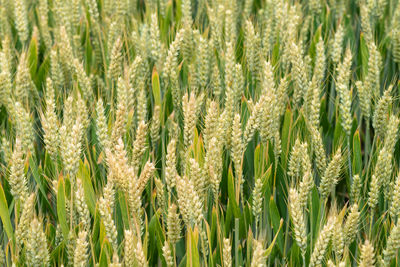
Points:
(339, 135)
(265, 178)
(33, 57)
(88, 51)
(61, 210)
(286, 133)
(261, 159)
(156, 88)
(214, 225)
(228, 217)
(39, 181)
(57, 251)
(314, 43)
(155, 232)
(5, 215)
(275, 53)
(123, 204)
(257, 161)
(231, 193)
(103, 256)
(357, 157)
(183, 261)
(90, 196)
(276, 221)
(315, 213)
(193, 258)
(363, 56)
(271, 246)
(42, 71)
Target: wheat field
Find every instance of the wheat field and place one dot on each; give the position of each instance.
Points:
(199, 133)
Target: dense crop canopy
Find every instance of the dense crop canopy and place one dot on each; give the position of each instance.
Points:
(199, 133)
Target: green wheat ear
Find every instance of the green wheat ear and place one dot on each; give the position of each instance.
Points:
(322, 243)
(167, 254)
(258, 258)
(2, 257)
(297, 216)
(17, 179)
(80, 255)
(129, 248)
(331, 175)
(367, 254)
(392, 245)
(36, 245)
(227, 256)
(173, 224)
